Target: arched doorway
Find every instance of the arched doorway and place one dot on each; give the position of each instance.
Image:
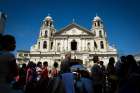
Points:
(73, 45)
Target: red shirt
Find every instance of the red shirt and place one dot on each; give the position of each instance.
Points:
(45, 73)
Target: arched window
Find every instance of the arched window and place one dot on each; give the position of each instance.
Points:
(46, 33)
(88, 46)
(44, 44)
(51, 24)
(47, 23)
(95, 45)
(73, 45)
(102, 45)
(98, 23)
(51, 45)
(38, 45)
(58, 46)
(100, 34)
(95, 24)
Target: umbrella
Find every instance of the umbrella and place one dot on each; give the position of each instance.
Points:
(78, 66)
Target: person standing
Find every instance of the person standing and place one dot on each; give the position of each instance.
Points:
(45, 72)
(97, 76)
(42, 85)
(8, 66)
(39, 70)
(65, 65)
(67, 76)
(112, 75)
(54, 71)
(22, 76)
(103, 69)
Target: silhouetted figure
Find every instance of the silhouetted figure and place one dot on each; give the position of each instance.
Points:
(97, 76)
(103, 69)
(132, 83)
(8, 66)
(79, 88)
(39, 70)
(45, 72)
(65, 65)
(132, 66)
(112, 77)
(66, 75)
(102, 66)
(86, 80)
(138, 67)
(121, 70)
(22, 76)
(42, 85)
(54, 71)
(31, 78)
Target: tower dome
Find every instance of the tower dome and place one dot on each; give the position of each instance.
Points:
(48, 18)
(97, 18)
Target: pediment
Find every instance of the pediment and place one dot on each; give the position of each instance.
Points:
(73, 29)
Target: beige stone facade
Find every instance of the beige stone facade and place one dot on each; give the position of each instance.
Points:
(83, 44)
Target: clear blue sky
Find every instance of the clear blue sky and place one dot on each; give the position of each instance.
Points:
(121, 19)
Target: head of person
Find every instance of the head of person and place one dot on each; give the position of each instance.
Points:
(123, 59)
(39, 64)
(8, 43)
(68, 55)
(30, 64)
(23, 65)
(111, 61)
(55, 64)
(101, 62)
(95, 59)
(45, 64)
(131, 60)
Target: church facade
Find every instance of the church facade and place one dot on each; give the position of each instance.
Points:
(83, 44)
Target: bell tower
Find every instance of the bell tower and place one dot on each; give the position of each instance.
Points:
(99, 33)
(47, 28)
(46, 34)
(97, 27)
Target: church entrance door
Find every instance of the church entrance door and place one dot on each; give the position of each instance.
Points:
(73, 45)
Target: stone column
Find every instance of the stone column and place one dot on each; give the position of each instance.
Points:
(67, 44)
(85, 45)
(93, 45)
(62, 45)
(55, 46)
(80, 45)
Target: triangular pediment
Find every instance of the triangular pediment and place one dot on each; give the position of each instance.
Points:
(73, 29)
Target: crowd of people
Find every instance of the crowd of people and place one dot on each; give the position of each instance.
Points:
(122, 76)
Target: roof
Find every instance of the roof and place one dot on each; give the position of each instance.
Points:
(68, 27)
(23, 51)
